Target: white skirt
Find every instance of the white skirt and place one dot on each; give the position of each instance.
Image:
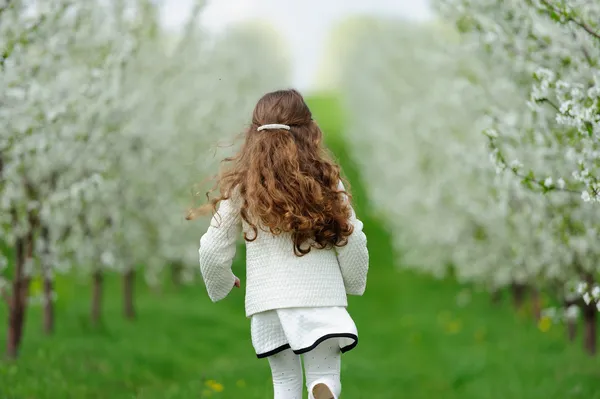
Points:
(302, 329)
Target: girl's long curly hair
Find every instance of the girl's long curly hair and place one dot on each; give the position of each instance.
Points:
(285, 179)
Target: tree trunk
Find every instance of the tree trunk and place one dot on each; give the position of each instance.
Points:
(571, 322)
(18, 301)
(536, 305)
(48, 286)
(96, 308)
(128, 285)
(24, 287)
(590, 318)
(48, 306)
(518, 292)
(23, 299)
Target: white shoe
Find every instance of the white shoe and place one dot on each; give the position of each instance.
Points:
(322, 391)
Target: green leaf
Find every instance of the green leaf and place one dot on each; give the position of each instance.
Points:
(555, 16)
(589, 128)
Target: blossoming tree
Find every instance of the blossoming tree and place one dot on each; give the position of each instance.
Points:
(417, 107)
(104, 129)
(549, 50)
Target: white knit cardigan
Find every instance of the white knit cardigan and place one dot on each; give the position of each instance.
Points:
(276, 277)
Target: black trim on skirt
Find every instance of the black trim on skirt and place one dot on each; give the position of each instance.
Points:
(314, 345)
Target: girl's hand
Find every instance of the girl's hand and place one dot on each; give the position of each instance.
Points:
(237, 283)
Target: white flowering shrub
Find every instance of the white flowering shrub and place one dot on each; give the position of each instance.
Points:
(418, 102)
(436, 199)
(550, 49)
(105, 126)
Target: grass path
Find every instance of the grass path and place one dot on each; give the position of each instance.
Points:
(415, 342)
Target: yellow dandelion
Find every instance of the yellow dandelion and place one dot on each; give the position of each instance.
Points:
(453, 327)
(544, 324)
(214, 385)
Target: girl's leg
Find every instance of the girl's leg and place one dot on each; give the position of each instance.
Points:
(322, 367)
(286, 368)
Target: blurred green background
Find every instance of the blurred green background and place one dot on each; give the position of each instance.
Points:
(419, 337)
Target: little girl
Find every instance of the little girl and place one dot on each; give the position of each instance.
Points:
(306, 249)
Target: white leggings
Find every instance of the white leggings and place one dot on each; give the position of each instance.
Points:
(322, 365)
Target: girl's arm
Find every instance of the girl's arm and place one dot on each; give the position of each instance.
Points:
(217, 250)
(354, 257)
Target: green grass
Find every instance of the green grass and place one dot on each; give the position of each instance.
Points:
(415, 342)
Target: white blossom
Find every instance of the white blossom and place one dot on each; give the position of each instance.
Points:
(417, 105)
(106, 124)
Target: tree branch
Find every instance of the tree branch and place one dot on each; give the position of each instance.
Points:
(581, 24)
(541, 183)
(547, 100)
(586, 27)
(493, 145)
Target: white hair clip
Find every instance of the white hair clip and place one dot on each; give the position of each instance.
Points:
(273, 126)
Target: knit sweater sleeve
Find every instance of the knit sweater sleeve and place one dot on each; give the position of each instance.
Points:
(353, 258)
(217, 250)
